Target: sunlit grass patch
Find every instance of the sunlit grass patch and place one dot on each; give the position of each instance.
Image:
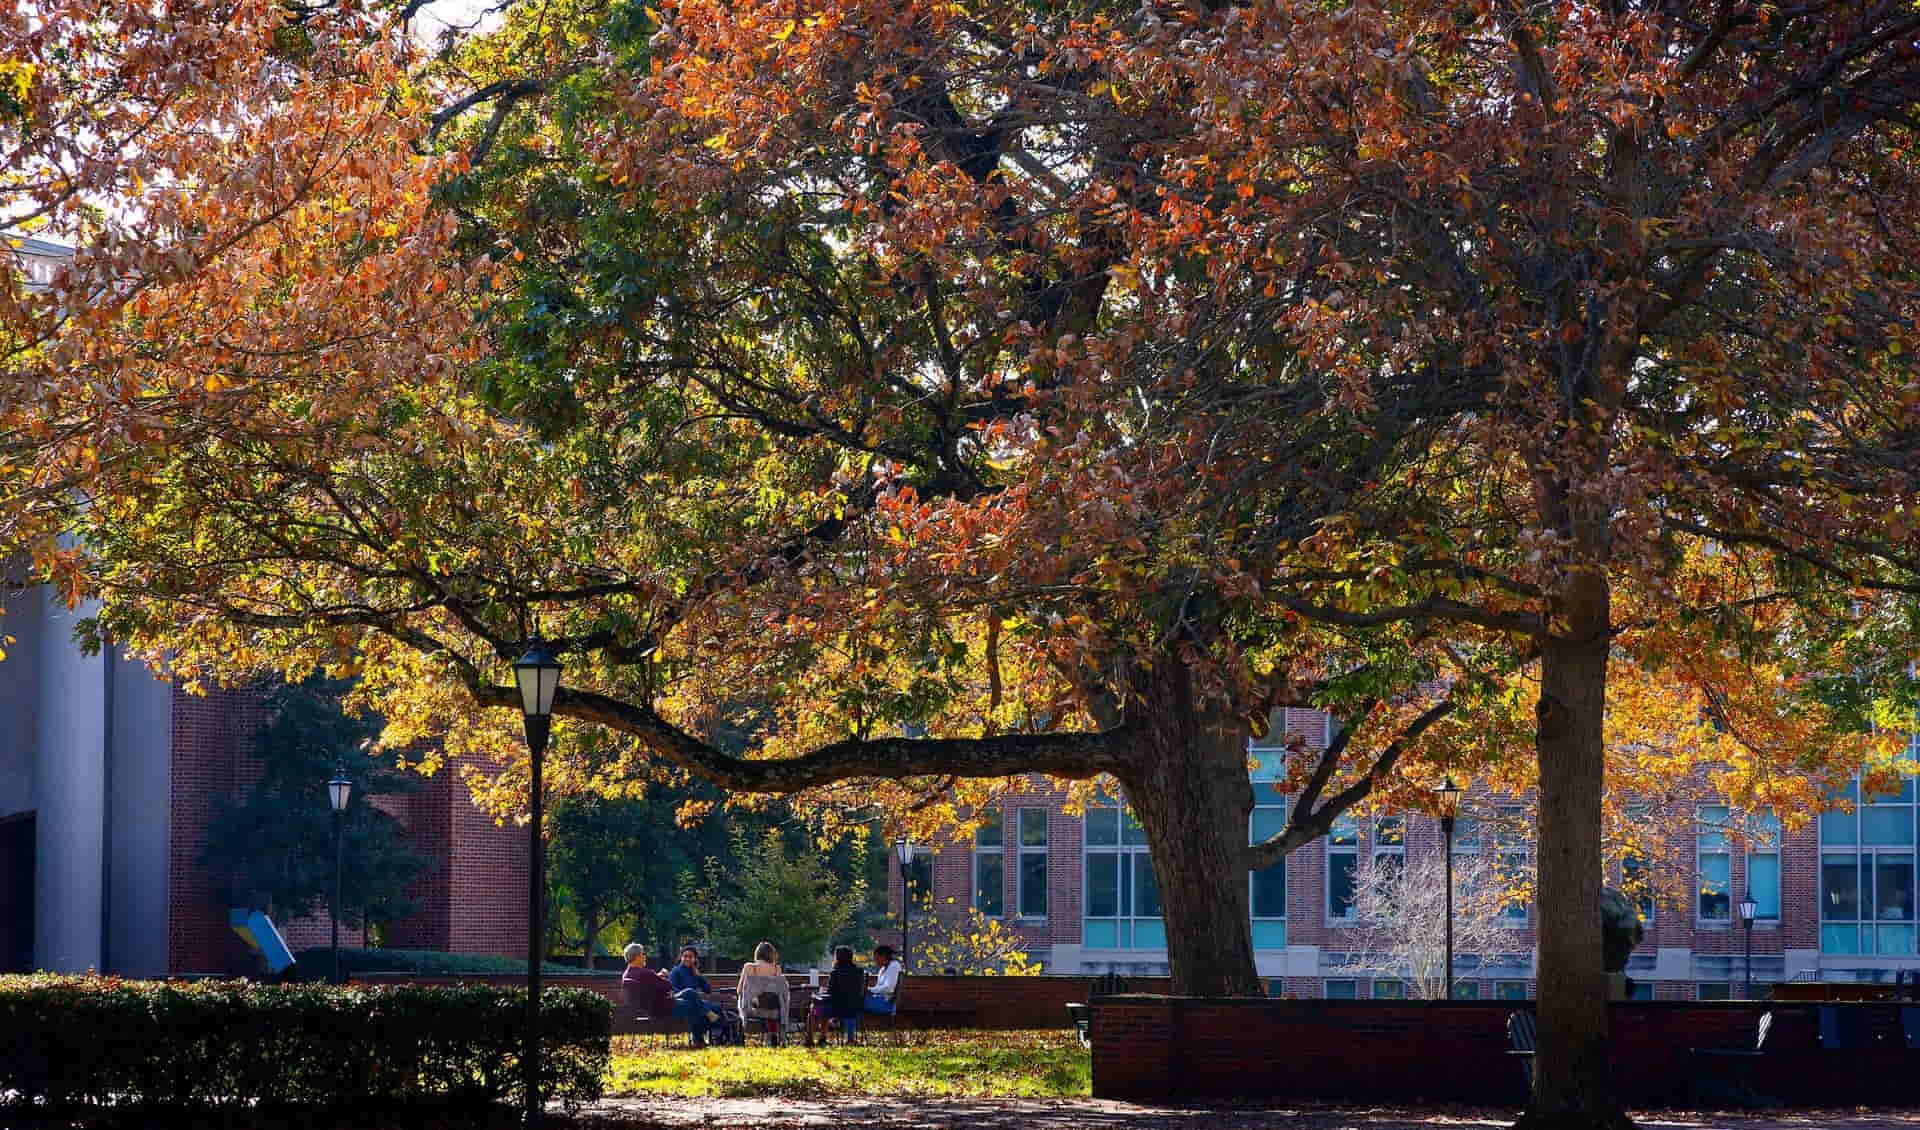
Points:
(958, 1063)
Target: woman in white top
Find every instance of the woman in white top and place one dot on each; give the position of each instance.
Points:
(765, 963)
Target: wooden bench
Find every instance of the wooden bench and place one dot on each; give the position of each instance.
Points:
(1725, 1075)
(1523, 1035)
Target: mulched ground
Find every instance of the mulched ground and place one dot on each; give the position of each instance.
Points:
(1098, 1114)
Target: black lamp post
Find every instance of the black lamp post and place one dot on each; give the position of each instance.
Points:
(538, 675)
(339, 791)
(1449, 794)
(904, 847)
(1748, 909)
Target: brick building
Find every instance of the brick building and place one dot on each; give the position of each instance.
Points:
(108, 777)
(1835, 897)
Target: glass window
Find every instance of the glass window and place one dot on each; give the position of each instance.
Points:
(1466, 836)
(1509, 990)
(1639, 881)
(1510, 837)
(1715, 863)
(1714, 990)
(920, 880)
(1389, 842)
(1343, 990)
(1268, 890)
(1103, 886)
(1032, 875)
(1467, 990)
(1763, 863)
(1343, 858)
(1866, 875)
(989, 871)
(1640, 991)
(1122, 901)
(1389, 990)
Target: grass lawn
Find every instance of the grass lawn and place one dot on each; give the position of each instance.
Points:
(961, 1064)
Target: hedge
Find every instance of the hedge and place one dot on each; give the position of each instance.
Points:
(69, 1042)
(317, 963)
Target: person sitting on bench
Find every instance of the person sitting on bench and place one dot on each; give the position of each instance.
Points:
(690, 996)
(886, 982)
(843, 998)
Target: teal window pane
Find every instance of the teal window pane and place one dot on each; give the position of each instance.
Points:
(1389, 990)
(1712, 826)
(1033, 883)
(1509, 990)
(1880, 824)
(1267, 823)
(1340, 869)
(988, 883)
(1840, 888)
(1103, 826)
(1102, 935)
(1033, 827)
(1270, 891)
(1390, 832)
(1839, 939)
(1269, 796)
(1146, 892)
(1894, 939)
(1343, 990)
(1269, 934)
(990, 833)
(1715, 871)
(1149, 934)
(1903, 795)
(1893, 884)
(1466, 836)
(1344, 831)
(1270, 765)
(1763, 880)
(1103, 886)
(1131, 832)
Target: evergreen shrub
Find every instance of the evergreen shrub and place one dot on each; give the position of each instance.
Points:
(95, 1042)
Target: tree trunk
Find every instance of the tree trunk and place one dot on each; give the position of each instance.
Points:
(1571, 1086)
(1190, 792)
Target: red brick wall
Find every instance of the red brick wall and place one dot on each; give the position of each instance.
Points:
(1161, 1048)
(487, 880)
(208, 737)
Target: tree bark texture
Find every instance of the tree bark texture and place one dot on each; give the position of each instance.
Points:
(1187, 783)
(1571, 1085)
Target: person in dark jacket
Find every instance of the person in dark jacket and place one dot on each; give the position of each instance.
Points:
(845, 997)
(690, 996)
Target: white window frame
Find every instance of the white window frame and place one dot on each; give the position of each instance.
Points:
(1865, 859)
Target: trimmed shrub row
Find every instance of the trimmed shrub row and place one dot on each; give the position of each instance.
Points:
(68, 1042)
(316, 964)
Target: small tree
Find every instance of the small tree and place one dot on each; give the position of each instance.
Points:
(274, 845)
(970, 942)
(790, 896)
(614, 859)
(1400, 909)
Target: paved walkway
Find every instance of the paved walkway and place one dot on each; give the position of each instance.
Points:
(1098, 1114)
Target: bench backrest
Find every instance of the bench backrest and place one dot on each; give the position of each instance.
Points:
(1766, 1025)
(1522, 1030)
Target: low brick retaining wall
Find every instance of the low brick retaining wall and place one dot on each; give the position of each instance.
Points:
(999, 1003)
(1156, 1048)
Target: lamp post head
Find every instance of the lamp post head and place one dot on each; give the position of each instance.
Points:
(904, 847)
(1448, 794)
(339, 789)
(1748, 909)
(537, 673)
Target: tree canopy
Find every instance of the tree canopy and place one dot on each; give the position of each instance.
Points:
(1072, 384)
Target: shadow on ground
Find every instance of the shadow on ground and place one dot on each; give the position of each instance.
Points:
(1096, 1114)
